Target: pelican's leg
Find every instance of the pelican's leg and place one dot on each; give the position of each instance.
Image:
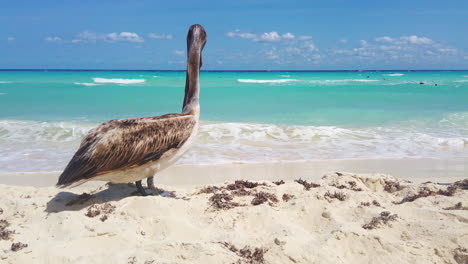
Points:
(140, 188)
(150, 183)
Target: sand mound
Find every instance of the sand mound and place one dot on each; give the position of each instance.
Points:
(342, 218)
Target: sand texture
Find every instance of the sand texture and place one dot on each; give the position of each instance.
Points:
(341, 218)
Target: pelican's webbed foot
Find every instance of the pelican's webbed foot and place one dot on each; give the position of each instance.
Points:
(150, 183)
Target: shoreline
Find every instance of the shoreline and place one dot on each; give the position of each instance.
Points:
(414, 169)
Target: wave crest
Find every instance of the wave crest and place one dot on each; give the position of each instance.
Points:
(33, 146)
(85, 83)
(266, 81)
(118, 81)
(34, 131)
(394, 74)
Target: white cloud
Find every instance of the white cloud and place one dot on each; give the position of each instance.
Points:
(91, 37)
(179, 52)
(288, 36)
(11, 38)
(53, 39)
(282, 48)
(417, 40)
(125, 36)
(405, 49)
(270, 37)
(384, 39)
(239, 34)
(87, 36)
(160, 36)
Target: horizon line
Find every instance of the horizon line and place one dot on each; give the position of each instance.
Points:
(148, 70)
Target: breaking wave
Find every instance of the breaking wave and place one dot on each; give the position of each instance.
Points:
(118, 81)
(86, 84)
(266, 81)
(394, 74)
(39, 146)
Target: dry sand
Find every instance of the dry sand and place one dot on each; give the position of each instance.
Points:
(349, 218)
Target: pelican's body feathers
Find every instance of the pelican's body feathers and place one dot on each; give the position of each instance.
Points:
(130, 149)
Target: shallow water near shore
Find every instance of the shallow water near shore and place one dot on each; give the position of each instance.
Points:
(246, 116)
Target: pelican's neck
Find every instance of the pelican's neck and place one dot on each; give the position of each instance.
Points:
(192, 84)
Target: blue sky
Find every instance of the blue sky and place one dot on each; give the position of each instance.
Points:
(245, 35)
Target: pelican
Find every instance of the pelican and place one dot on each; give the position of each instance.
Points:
(130, 150)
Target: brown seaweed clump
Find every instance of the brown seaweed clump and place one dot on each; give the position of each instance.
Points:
(336, 195)
(95, 210)
(4, 224)
(279, 182)
(241, 184)
(392, 186)
(352, 185)
(247, 254)
(5, 234)
(307, 185)
(209, 189)
(374, 202)
(262, 197)
(222, 198)
(18, 246)
(384, 218)
(286, 197)
(426, 192)
(223, 201)
(462, 185)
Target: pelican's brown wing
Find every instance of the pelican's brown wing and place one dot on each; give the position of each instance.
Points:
(120, 144)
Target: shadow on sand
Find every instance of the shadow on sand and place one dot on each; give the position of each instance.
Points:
(68, 201)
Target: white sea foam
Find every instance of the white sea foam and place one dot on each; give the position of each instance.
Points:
(264, 142)
(29, 131)
(266, 81)
(361, 80)
(2, 93)
(343, 81)
(5, 82)
(394, 74)
(118, 81)
(285, 76)
(35, 146)
(461, 81)
(86, 84)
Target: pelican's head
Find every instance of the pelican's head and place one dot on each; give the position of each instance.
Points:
(196, 40)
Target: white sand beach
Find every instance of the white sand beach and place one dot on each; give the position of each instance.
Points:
(349, 218)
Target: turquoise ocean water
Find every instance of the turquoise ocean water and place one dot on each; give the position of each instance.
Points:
(246, 116)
